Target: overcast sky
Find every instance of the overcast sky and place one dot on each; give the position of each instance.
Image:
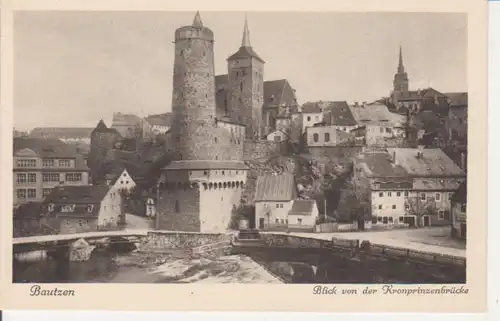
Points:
(74, 68)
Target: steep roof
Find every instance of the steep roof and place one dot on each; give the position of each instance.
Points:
(275, 188)
(310, 108)
(460, 195)
(379, 164)
(46, 148)
(245, 52)
(127, 119)
(201, 165)
(458, 99)
(338, 113)
(102, 128)
(376, 114)
(302, 207)
(421, 94)
(431, 162)
(83, 194)
(160, 119)
(61, 132)
(278, 93)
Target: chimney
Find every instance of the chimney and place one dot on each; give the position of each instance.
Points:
(356, 104)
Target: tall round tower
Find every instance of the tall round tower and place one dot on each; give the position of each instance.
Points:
(193, 98)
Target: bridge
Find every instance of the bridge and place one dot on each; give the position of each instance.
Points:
(339, 257)
(47, 242)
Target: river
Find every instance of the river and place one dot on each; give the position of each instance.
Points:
(141, 267)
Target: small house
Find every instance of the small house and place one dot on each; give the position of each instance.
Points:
(78, 209)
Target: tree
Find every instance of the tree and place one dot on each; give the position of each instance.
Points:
(354, 204)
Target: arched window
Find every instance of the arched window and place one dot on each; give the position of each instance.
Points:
(315, 137)
(327, 137)
(241, 86)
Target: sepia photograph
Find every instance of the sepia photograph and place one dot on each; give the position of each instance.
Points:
(224, 147)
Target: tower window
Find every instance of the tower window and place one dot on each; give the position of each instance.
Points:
(241, 86)
(315, 137)
(203, 54)
(327, 137)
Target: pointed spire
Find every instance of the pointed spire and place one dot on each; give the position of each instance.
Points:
(401, 67)
(197, 20)
(245, 42)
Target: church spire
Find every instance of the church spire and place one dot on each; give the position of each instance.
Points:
(197, 20)
(245, 42)
(401, 67)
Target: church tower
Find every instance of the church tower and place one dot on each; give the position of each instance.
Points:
(197, 191)
(401, 81)
(246, 79)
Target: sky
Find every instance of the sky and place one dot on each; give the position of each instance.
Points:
(73, 68)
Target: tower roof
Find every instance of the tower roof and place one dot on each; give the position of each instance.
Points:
(245, 42)
(401, 67)
(197, 20)
(246, 50)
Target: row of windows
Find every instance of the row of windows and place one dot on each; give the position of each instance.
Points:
(316, 118)
(26, 178)
(316, 137)
(25, 193)
(407, 207)
(389, 194)
(26, 163)
(66, 163)
(222, 172)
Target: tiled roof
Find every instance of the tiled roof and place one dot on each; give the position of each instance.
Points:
(379, 164)
(433, 162)
(278, 92)
(61, 132)
(458, 99)
(128, 119)
(376, 114)
(311, 107)
(302, 207)
(46, 148)
(392, 184)
(435, 184)
(421, 94)
(160, 120)
(196, 165)
(338, 113)
(245, 52)
(275, 188)
(102, 128)
(460, 195)
(84, 194)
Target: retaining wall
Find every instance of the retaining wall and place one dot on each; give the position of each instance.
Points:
(167, 240)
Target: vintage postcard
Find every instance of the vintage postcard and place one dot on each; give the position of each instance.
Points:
(286, 157)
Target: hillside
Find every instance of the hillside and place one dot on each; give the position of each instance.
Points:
(315, 178)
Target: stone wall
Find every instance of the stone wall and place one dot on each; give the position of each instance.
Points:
(160, 240)
(259, 149)
(185, 216)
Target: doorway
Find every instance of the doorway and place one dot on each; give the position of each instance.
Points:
(427, 220)
(261, 223)
(410, 220)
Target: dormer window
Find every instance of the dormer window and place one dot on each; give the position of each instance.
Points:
(90, 208)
